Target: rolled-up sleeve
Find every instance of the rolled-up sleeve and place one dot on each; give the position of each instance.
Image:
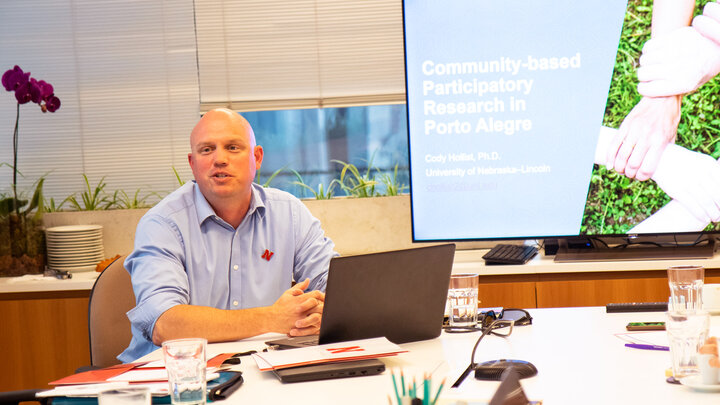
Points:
(313, 249)
(157, 271)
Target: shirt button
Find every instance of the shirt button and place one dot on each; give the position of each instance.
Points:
(235, 303)
(235, 267)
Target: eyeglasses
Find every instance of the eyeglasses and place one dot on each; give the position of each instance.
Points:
(492, 328)
(519, 316)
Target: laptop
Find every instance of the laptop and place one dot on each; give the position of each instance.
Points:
(399, 294)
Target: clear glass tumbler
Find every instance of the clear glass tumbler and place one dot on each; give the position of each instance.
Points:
(687, 331)
(463, 300)
(686, 286)
(186, 364)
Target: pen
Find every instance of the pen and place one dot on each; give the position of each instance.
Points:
(646, 347)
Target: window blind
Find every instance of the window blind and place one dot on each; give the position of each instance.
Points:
(285, 54)
(126, 74)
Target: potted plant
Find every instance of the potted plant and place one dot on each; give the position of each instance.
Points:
(22, 242)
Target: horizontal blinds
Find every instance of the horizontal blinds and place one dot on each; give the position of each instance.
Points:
(286, 54)
(126, 74)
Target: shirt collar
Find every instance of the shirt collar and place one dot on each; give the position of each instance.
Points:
(204, 209)
(256, 201)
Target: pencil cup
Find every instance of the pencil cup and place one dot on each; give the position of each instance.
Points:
(186, 364)
(125, 396)
(686, 287)
(687, 331)
(463, 300)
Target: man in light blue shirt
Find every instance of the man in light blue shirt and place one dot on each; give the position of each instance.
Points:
(217, 257)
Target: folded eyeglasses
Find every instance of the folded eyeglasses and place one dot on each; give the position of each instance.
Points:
(487, 320)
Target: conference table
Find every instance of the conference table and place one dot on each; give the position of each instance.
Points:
(576, 351)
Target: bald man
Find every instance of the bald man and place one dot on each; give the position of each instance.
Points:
(216, 258)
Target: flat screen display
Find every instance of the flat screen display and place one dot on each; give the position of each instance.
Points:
(512, 107)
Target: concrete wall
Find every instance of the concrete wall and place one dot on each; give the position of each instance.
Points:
(356, 225)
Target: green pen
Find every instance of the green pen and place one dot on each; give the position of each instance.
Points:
(397, 395)
(438, 392)
(426, 390)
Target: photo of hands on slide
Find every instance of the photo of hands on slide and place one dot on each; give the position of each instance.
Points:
(676, 61)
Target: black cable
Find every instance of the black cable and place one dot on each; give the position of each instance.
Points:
(485, 332)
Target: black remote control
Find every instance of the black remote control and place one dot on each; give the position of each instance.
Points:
(637, 307)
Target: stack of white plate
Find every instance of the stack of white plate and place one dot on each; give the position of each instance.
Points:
(74, 247)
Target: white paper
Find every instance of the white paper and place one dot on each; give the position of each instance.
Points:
(342, 351)
(154, 375)
(92, 390)
(650, 337)
(153, 364)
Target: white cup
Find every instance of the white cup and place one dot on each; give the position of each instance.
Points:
(710, 375)
(711, 297)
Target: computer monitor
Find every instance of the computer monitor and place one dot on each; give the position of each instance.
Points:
(512, 107)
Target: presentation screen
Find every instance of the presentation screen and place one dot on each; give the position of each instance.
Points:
(512, 109)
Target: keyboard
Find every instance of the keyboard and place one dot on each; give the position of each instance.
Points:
(510, 254)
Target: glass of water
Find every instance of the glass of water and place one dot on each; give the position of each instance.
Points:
(686, 286)
(463, 300)
(185, 363)
(687, 331)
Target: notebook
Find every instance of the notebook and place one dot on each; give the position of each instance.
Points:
(399, 294)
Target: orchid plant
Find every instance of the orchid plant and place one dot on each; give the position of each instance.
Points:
(21, 237)
(26, 89)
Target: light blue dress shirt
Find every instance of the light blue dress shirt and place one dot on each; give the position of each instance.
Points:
(186, 254)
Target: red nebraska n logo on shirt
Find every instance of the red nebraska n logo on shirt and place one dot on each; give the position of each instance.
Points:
(267, 255)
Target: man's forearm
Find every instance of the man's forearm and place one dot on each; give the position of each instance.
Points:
(215, 325)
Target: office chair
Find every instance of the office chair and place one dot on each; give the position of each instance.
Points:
(109, 327)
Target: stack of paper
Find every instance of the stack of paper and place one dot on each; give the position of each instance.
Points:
(148, 374)
(333, 352)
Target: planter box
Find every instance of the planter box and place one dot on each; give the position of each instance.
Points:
(118, 226)
(356, 225)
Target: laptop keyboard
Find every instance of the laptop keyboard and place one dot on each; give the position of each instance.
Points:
(311, 341)
(510, 254)
(294, 342)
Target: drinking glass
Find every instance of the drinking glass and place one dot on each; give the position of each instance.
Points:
(463, 300)
(687, 331)
(686, 285)
(185, 363)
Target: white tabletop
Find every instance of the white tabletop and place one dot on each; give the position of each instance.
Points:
(579, 360)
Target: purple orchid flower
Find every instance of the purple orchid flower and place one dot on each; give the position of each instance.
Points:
(52, 103)
(26, 89)
(14, 78)
(23, 93)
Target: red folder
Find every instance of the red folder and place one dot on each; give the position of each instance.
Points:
(102, 375)
(96, 376)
